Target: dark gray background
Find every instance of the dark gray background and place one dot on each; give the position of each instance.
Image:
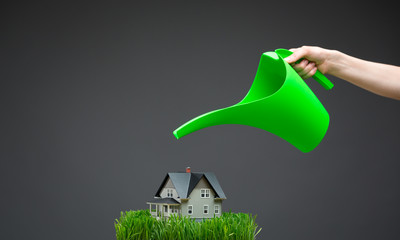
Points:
(91, 92)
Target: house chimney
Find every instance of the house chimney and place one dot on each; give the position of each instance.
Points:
(188, 169)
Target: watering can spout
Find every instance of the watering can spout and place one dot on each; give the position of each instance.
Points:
(278, 101)
(213, 118)
(192, 126)
(235, 113)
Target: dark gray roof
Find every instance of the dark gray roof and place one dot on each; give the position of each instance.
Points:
(164, 200)
(184, 183)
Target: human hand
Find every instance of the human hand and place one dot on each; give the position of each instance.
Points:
(379, 78)
(313, 59)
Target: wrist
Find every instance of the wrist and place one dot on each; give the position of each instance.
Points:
(335, 61)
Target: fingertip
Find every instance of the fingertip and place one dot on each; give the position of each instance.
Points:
(291, 59)
(313, 71)
(288, 59)
(296, 56)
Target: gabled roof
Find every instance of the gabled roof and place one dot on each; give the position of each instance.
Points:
(185, 183)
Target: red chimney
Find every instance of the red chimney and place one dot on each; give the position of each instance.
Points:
(188, 169)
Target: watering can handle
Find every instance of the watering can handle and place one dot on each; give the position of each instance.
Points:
(318, 76)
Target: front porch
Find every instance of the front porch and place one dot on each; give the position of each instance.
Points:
(164, 207)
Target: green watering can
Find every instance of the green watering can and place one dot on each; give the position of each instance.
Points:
(279, 101)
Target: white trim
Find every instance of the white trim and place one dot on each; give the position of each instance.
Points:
(206, 207)
(190, 207)
(205, 193)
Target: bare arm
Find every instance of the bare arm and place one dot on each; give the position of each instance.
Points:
(381, 79)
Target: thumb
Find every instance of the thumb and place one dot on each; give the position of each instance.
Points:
(297, 54)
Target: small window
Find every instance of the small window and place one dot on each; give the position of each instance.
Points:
(190, 209)
(174, 209)
(216, 209)
(205, 193)
(169, 192)
(205, 209)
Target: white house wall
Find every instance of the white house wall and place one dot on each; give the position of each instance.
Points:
(197, 202)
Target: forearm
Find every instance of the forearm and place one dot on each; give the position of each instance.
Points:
(378, 78)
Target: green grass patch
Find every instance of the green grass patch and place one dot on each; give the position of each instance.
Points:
(140, 225)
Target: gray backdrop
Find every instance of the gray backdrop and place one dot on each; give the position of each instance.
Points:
(91, 92)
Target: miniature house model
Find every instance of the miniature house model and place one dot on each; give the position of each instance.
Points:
(197, 195)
